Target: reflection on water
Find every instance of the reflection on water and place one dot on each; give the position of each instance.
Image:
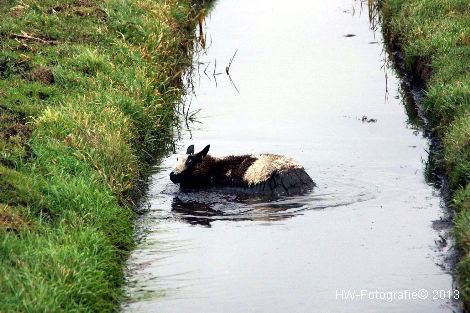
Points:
(203, 207)
(306, 91)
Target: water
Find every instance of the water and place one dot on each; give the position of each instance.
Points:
(372, 223)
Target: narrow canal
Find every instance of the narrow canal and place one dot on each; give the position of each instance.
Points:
(308, 81)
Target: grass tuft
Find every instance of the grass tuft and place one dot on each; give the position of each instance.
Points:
(435, 35)
(88, 91)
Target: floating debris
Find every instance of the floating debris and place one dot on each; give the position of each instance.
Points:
(365, 119)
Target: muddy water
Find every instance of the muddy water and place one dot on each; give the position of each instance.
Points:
(372, 224)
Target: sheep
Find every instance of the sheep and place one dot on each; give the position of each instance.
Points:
(261, 174)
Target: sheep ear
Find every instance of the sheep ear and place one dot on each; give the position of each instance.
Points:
(204, 151)
(190, 150)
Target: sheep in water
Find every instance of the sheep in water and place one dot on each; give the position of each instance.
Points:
(264, 173)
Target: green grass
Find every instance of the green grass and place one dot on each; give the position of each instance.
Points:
(436, 33)
(87, 94)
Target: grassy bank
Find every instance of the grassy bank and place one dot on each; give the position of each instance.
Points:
(434, 37)
(87, 92)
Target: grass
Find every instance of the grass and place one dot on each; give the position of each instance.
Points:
(87, 93)
(434, 37)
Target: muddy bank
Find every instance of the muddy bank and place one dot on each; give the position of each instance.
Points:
(434, 59)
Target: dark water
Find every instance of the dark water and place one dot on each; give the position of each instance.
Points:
(372, 223)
